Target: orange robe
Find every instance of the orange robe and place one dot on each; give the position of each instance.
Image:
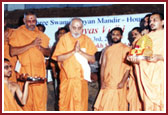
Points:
(133, 96)
(32, 62)
(11, 59)
(73, 87)
(151, 76)
(111, 98)
(10, 103)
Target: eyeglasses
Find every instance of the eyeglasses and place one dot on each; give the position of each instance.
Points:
(7, 66)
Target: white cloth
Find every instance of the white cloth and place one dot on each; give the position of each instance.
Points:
(49, 75)
(48, 72)
(18, 66)
(85, 66)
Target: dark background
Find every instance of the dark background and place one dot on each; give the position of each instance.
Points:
(14, 18)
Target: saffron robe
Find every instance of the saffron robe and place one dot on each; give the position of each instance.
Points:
(73, 87)
(111, 98)
(32, 62)
(10, 58)
(133, 96)
(151, 76)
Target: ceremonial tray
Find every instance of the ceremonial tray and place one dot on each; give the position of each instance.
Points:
(140, 57)
(33, 79)
(143, 57)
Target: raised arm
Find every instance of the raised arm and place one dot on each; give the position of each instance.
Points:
(19, 50)
(22, 96)
(65, 56)
(90, 58)
(155, 58)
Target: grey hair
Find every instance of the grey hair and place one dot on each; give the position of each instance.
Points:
(29, 13)
(76, 18)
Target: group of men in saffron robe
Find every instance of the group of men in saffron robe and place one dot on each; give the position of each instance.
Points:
(127, 83)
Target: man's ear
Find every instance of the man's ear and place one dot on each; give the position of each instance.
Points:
(162, 22)
(24, 20)
(70, 26)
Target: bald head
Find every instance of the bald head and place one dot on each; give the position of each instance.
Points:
(76, 27)
(76, 19)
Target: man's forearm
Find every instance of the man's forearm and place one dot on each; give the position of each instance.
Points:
(65, 56)
(19, 50)
(25, 93)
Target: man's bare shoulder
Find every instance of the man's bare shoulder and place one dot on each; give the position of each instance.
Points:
(13, 85)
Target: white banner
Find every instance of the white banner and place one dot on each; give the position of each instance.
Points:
(95, 27)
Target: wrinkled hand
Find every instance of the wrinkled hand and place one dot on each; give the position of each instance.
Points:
(77, 46)
(29, 82)
(155, 58)
(120, 85)
(133, 59)
(25, 76)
